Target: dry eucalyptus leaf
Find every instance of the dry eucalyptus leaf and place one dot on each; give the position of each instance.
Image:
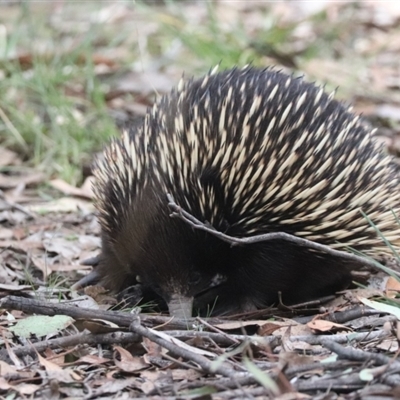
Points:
(322, 325)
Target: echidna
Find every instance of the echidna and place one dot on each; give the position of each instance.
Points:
(249, 152)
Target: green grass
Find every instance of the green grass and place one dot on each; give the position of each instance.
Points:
(213, 42)
(53, 109)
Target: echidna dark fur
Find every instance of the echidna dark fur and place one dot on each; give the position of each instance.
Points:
(249, 151)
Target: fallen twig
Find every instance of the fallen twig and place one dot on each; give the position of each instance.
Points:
(205, 364)
(179, 212)
(75, 340)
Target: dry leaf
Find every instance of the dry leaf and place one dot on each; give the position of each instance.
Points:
(322, 325)
(388, 345)
(92, 360)
(64, 187)
(63, 205)
(392, 287)
(240, 324)
(183, 345)
(128, 363)
(8, 157)
(12, 181)
(292, 359)
(186, 374)
(54, 371)
(271, 327)
(6, 233)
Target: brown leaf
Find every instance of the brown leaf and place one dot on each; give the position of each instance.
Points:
(152, 349)
(48, 365)
(227, 326)
(128, 363)
(326, 326)
(98, 326)
(8, 157)
(392, 287)
(26, 389)
(292, 327)
(100, 294)
(54, 371)
(58, 359)
(292, 359)
(185, 374)
(6, 233)
(28, 179)
(23, 245)
(64, 187)
(388, 345)
(92, 360)
(269, 328)
(63, 205)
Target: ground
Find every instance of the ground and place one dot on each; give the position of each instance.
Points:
(71, 75)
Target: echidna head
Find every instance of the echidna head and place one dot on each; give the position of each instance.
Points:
(166, 256)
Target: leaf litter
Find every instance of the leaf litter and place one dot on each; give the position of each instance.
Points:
(60, 344)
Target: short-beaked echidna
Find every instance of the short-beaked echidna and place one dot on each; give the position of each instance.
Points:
(249, 151)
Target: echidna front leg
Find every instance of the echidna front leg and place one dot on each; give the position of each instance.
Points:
(90, 279)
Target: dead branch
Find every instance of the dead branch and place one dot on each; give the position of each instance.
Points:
(179, 212)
